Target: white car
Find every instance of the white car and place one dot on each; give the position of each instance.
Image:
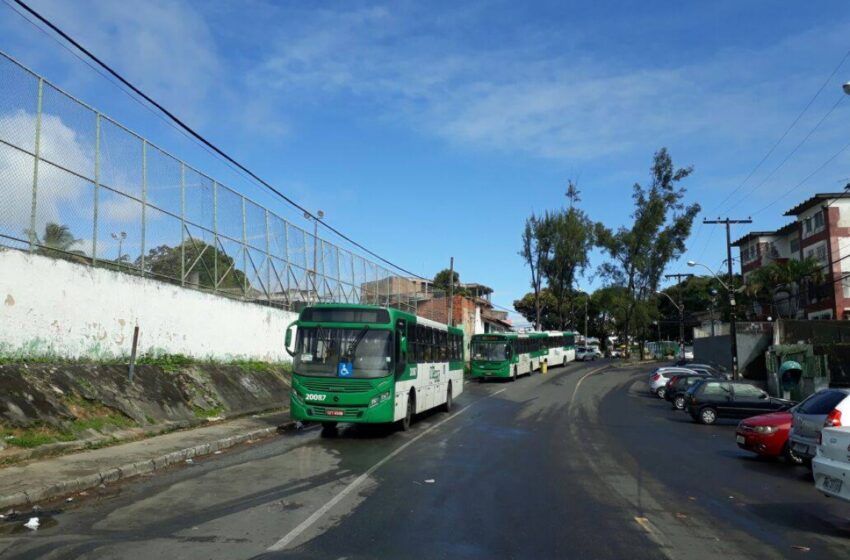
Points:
(583, 354)
(658, 378)
(831, 465)
(597, 353)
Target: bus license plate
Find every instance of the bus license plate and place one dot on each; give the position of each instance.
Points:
(334, 412)
(832, 484)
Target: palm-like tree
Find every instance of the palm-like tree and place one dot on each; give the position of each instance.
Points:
(779, 281)
(58, 242)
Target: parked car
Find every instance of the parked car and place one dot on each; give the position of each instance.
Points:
(678, 386)
(831, 465)
(584, 354)
(597, 353)
(658, 379)
(821, 409)
(615, 353)
(767, 435)
(715, 398)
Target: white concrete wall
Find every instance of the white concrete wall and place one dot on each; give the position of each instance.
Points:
(52, 307)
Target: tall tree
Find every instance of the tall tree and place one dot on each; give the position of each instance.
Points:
(570, 238)
(535, 248)
(639, 254)
(446, 278)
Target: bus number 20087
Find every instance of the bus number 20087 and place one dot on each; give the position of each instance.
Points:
(314, 397)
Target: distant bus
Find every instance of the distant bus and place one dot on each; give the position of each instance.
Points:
(509, 355)
(370, 364)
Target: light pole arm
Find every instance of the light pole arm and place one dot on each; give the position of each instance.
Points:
(716, 277)
(676, 305)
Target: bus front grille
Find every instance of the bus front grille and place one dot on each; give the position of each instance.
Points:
(334, 386)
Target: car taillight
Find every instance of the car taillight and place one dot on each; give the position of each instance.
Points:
(833, 419)
(656, 376)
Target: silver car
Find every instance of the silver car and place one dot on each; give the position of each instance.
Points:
(825, 407)
(658, 378)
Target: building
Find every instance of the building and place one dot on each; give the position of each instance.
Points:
(820, 231)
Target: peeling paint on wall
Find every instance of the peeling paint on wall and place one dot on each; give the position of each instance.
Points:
(65, 310)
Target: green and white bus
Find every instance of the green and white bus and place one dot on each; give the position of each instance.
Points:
(370, 364)
(509, 355)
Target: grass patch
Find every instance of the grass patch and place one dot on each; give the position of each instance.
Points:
(34, 436)
(208, 412)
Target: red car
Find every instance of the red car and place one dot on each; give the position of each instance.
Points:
(767, 435)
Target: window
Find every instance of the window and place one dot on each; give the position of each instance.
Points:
(821, 253)
(716, 389)
(745, 391)
(808, 222)
(794, 244)
(819, 220)
(822, 402)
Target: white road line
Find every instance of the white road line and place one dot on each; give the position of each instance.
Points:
(585, 376)
(319, 513)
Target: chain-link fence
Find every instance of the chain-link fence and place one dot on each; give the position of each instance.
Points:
(76, 185)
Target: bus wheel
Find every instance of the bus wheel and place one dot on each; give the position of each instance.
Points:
(447, 406)
(408, 414)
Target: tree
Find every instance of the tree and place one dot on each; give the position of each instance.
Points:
(201, 263)
(773, 287)
(639, 254)
(534, 250)
(569, 236)
(443, 279)
(57, 241)
(548, 316)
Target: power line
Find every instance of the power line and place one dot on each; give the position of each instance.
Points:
(784, 134)
(790, 154)
(197, 136)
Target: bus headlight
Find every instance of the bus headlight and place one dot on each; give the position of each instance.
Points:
(379, 399)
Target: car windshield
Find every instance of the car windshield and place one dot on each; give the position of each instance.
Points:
(490, 351)
(319, 351)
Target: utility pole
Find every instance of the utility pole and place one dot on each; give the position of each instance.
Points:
(450, 322)
(585, 321)
(732, 316)
(678, 278)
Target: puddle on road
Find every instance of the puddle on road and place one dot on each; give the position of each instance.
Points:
(13, 523)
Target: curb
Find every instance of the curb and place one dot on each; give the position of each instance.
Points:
(123, 472)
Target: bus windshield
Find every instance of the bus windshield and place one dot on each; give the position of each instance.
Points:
(490, 351)
(319, 350)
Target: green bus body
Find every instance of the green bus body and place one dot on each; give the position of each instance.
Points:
(422, 363)
(508, 355)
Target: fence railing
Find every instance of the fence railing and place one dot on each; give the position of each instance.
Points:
(77, 185)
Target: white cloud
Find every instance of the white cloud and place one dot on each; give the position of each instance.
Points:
(165, 46)
(59, 193)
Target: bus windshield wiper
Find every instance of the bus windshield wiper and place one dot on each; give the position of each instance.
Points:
(349, 354)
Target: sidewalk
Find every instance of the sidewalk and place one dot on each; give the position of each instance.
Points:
(27, 484)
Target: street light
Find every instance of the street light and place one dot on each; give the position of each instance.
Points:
(681, 310)
(733, 330)
(119, 237)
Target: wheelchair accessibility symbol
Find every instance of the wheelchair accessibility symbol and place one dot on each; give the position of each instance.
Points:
(344, 369)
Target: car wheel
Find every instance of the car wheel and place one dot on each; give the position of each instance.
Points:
(661, 392)
(408, 414)
(447, 406)
(679, 402)
(791, 457)
(707, 416)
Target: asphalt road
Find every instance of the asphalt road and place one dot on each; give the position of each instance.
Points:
(576, 463)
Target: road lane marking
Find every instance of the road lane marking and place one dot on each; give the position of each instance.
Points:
(583, 377)
(319, 513)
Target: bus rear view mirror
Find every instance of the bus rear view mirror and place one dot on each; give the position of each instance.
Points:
(288, 339)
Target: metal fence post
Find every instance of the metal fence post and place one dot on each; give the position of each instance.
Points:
(96, 187)
(269, 262)
(215, 236)
(182, 224)
(244, 250)
(144, 200)
(33, 237)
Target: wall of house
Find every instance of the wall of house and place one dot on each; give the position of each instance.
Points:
(55, 308)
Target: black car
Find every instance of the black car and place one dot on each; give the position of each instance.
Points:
(678, 386)
(714, 398)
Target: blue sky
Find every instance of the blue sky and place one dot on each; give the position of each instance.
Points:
(430, 130)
